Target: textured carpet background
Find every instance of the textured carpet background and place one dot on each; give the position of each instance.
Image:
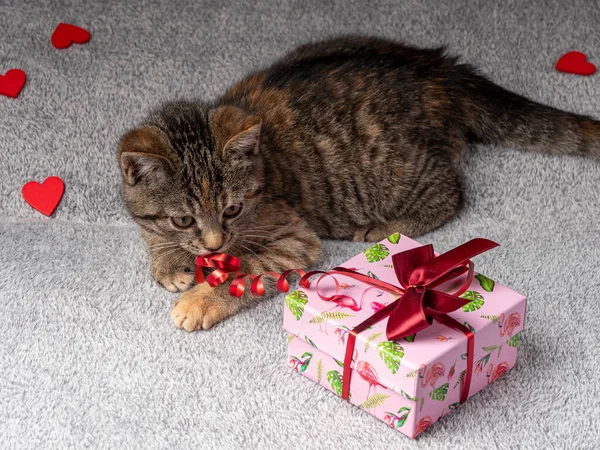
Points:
(88, 355)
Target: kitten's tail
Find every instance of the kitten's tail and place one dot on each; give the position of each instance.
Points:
(494, 114)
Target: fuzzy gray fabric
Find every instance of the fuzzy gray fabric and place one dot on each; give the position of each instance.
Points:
(89, 357)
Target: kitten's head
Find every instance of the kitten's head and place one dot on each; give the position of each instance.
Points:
(193, 174)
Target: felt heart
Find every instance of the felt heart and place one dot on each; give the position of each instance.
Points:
(67, 34)
(46, 196)
(575, 62)
(12, 83)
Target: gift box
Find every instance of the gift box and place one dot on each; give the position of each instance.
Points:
(410, 382)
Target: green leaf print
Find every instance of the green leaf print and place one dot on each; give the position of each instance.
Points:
(330, 315)
(370, 340)
(306, 362)
(499, 350)
(397, 421)
(421, 403)
(339, 363)
(376, 253)
(295, 301)
(513, 341)
(402, 416)
(411, 338)
(454, 405)
(319, 370)
(391, 352)
(394, 238)
(405, 395)
(372, 275)
(489, 348)
(484, 360)
(308, 341)
(411, 374)
(460, 378)
(494, 319)
(466, 324)
(290, 338)
(334, 378)
(439, 394)
(476, 301)
(374, 401)
(486, 283)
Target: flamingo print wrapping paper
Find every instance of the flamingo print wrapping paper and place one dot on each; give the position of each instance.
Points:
(411, 383)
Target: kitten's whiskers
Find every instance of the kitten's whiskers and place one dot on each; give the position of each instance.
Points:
(163, 245)
(253, 253)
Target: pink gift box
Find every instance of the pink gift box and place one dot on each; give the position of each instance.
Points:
(410, 383)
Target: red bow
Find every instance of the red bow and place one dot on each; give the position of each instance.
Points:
(419, 271)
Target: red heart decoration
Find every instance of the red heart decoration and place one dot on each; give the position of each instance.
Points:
(46, 196)
(12, 83)
(575, 62)
(67, 34)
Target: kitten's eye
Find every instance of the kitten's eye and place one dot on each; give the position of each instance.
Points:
(233, 211)
(183, 222)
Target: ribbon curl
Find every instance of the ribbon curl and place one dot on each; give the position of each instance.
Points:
(226, 264)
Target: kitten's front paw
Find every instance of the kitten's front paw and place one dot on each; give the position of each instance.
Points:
(361, 235)
(195, 309)
(175, 282)
(379, 232)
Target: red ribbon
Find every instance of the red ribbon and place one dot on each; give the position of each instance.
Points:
(418, 270)
(226, 264)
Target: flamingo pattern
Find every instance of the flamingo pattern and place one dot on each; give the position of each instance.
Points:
(345, 301)
(376, 306)
(494, 374)
(430, 377)
(508, 327)
(342, 301)
(367, 372)
(341, 333)
(423, 424)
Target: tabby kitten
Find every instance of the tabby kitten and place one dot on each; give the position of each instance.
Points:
(350, 138)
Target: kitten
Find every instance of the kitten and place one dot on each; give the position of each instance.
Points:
(351, 138)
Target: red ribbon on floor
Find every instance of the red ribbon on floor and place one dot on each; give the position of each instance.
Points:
(226, 264)
(418, 270)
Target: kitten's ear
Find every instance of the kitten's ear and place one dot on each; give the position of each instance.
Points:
(143, 155)
(236, 131)
(245, 142)
(138, 166)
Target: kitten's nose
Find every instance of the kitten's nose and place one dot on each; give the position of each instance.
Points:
(213, 240)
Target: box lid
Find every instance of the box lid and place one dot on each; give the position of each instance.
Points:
(429, 363)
